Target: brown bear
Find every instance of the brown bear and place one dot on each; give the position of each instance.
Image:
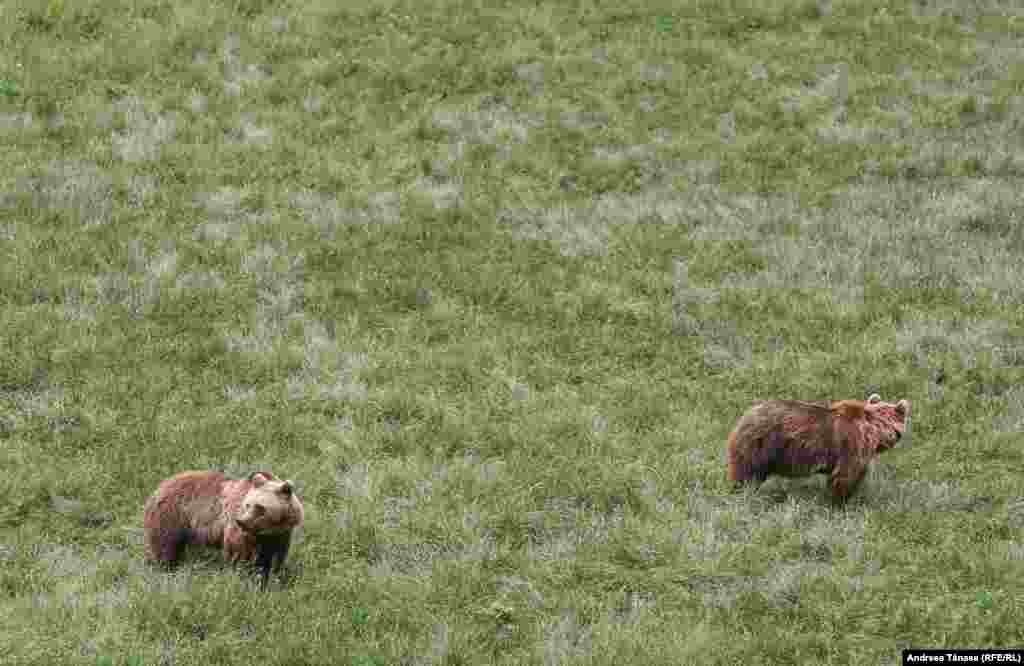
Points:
(250, 519)
(794, 438)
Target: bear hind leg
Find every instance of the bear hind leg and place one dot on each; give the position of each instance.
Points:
(743, 472)
(748, 477)
(755, 462)
(166, 544)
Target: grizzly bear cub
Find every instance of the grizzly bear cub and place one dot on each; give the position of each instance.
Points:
(250, 519)
(793, 438)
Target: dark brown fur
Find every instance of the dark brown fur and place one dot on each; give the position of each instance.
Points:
(250, 519)
(794, 438)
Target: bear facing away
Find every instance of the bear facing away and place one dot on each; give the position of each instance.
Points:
(793, 438)
(250, 519)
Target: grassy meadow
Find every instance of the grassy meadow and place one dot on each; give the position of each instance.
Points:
(492, 281)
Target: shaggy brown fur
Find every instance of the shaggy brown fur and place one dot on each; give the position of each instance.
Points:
(794, 438)
(251, 519)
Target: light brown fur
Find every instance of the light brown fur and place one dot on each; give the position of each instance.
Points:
(250, 519)
(794, 438)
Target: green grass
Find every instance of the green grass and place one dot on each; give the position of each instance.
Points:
(492, 282)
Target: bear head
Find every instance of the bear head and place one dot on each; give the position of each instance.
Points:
(270, 505)
(890, 420)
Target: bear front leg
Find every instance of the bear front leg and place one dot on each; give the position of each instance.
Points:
(845, 480)
(271, 552)
(238, 546)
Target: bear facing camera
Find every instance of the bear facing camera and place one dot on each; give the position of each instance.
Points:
(250, 520)
(793, 438)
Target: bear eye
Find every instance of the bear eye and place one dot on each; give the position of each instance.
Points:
(258, 509)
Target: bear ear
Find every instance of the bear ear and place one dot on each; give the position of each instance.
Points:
(903, 406)
(286, 489)
(259, 478)
(874, 398)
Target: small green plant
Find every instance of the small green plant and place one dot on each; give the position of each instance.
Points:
(360, 617)
(109, 661)
(368, 660)
(8, 88)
